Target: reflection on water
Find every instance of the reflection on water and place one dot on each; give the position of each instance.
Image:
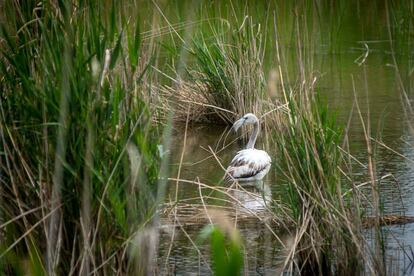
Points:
(255, 197)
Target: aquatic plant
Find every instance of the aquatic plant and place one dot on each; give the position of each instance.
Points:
(225, 244)
(226, 78)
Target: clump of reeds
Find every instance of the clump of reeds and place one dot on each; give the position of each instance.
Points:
(79, 154)
(225, 78)
(327, 239)
(310, 161)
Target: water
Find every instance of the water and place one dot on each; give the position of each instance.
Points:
(345, 76)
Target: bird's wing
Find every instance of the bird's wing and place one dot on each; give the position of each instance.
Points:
(247, 163)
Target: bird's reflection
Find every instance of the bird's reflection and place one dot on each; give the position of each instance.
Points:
(255, 196)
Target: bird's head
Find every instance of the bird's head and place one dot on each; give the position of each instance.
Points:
(247, 119)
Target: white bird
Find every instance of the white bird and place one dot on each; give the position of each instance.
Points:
(249, 164)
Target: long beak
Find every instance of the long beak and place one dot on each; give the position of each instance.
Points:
(238, 124)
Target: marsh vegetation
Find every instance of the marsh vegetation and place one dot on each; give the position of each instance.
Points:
(115, 136)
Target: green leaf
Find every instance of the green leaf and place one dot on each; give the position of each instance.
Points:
(116, 51)
(145, 70)
(134, 43)
(112, 26)
(218, 252)
(226, 253)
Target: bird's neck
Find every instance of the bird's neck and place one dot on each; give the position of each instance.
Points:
(253, 137)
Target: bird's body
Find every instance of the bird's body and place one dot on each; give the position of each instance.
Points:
(249, 164)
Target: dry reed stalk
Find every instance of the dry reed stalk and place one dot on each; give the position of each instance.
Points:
(378, 250)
